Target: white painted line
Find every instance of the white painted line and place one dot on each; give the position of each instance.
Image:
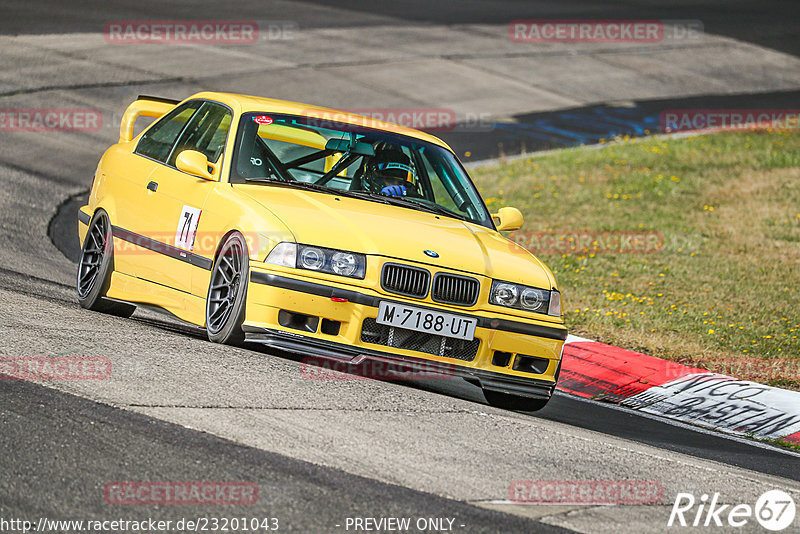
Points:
(576, 339)
(515, 503)
(525, 155)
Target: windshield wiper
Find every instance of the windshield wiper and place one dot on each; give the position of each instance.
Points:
(296, 184)
(311, 186)
(363, 195)
(408, 202)
(435, 208)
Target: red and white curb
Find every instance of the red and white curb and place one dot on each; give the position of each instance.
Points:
(605, 373)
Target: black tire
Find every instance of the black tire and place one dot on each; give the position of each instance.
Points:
(227, 292)
(508, 401)
(95, 268)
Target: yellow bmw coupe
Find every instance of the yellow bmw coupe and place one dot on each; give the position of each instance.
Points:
(320, 232)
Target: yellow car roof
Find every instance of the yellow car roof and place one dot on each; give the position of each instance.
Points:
(246, 103)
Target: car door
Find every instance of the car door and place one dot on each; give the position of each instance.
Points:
(176, 199)
(133, 214)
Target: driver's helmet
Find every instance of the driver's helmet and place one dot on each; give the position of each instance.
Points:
(389, 164)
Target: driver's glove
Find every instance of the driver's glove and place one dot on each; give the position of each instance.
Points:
(394, 190)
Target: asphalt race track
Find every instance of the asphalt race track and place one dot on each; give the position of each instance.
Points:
(94, 439)
(178, 408)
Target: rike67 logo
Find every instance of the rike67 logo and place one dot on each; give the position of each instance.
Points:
(774, 510)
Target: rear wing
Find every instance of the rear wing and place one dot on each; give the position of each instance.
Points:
(143, 106)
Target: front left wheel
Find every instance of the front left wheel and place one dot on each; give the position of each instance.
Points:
(95, 268)
(227, 292)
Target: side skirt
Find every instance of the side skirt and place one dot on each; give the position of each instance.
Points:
(184, 306)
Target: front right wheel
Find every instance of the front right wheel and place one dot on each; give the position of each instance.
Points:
(227, 292)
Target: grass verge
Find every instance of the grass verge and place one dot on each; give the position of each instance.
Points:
(720, 291)
(782, 443)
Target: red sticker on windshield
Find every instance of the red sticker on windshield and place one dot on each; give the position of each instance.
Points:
(262, 119)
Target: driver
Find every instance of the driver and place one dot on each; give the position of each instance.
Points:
(390, 170)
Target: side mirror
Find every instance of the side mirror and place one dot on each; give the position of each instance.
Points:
(508, 219)
(194, 163)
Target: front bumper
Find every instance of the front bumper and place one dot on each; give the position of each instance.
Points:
(271, 295)
(318, 348)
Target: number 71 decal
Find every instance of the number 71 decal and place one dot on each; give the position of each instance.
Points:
(187, 227)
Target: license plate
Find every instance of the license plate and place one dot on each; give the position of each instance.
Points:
(428, 321)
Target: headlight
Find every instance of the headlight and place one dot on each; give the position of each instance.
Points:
(320, 259)
(526, 298)
(312, 258)
(555, 304)
(504, 294)
(284, 254)
(344, 263)
(532, 299)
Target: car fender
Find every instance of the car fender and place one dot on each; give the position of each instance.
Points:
(226, 211)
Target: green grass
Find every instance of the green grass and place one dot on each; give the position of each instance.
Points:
(782, 443)
(723, 293)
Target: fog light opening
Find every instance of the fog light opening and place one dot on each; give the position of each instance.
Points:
(298, 321)
(501, 359)
(330, 327)
(530, 364)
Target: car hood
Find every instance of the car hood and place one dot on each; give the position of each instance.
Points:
(379, 229)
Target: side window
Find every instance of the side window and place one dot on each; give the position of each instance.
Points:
(206, 132)
(157, 142)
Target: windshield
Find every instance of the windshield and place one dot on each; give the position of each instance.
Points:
(339, 158)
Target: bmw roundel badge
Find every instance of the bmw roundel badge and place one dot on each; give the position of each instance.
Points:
(430, 253)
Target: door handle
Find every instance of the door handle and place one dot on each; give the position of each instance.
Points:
(152, 186)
